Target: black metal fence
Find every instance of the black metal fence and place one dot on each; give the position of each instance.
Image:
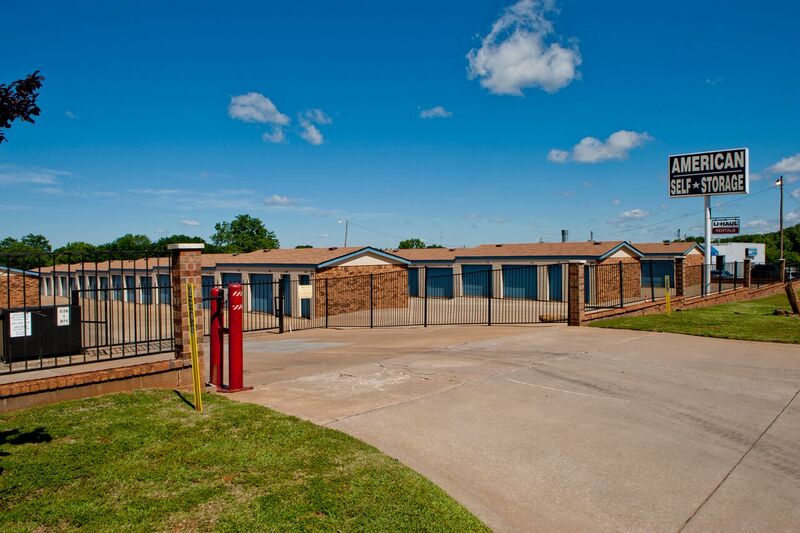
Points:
(512, 295)
(71, 308)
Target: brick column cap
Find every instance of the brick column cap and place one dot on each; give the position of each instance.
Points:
(186, 246)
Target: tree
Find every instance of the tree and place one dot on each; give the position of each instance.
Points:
(411, 243)
(161, 244)
(243, 234)
(303, 246)
(18, 101)
(76, 252)
(31, 251)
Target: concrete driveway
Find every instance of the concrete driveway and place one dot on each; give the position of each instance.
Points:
(557, 428)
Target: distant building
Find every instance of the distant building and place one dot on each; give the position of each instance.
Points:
(738, 251)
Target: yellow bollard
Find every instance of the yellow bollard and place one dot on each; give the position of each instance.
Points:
(198, 397)
(666, 293)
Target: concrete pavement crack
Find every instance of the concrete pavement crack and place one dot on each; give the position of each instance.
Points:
(727, 475)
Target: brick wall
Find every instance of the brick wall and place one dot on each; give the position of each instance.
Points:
(349, 288)
(17, 290)
(607, 280)
(693, 274)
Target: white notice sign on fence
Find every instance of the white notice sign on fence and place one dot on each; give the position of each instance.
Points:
(305, 291)
(63, 316)
(19, 324)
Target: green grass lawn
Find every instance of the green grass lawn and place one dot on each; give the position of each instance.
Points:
(147, 461)
(751, 320)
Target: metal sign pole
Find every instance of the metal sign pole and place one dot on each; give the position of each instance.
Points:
(707, 214)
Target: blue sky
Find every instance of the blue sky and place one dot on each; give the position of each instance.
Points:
(457, 122)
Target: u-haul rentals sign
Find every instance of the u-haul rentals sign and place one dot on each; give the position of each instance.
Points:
(709, 173)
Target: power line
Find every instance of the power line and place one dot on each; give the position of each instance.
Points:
(685, 215)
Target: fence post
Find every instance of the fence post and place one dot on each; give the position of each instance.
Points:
(185, 268)
(746, 273)
(735, 273)
(782, 267)
(719, 279)
(281, 296)
(489, 297)
(425, 300)
(575, 295)
(652, 285)
(680, 276)
(326, 302)
(621, 286)
(371, 299)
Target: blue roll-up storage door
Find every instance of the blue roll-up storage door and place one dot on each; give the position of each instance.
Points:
(91, 285)
(261, 292)
(116, 286)
(519, 282)
(103, 293)
(164, 292)
(477, 280)
(413, 282)
(439, 282)
(229, 278)
(286, 280)
(305, 303)
(130, 288)
(660, 269)
(146, 285)
(208, 284)
(556, 277)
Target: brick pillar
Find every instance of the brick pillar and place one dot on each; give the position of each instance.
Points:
(680, 276)
(748, 265)
(185, 269)
(782, 267)
(575, 304)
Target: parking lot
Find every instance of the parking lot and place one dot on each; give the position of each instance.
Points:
(554, 428)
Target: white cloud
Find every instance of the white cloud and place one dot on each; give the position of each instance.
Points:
(277, 199)
(323, 235)
(190, 222)
(255, 107)
(317, 116)
(592, 150)
(521, 51)
(757, 224)
(435, 112)
(274, 136)
(10, 174)
(500, 220)
(793, 217)
(70, 115)
(311, 133)
(796, 194)
(634, 213)
(616, 201)
(557, 156)
(787, 164)
(472, 216)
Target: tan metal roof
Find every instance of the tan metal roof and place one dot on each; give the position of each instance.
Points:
(534, 249)
(674, 248)
(426, 254)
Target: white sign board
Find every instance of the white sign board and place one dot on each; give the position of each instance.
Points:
(709, 173)
(20, 325)
(305, 292)
(63, 316)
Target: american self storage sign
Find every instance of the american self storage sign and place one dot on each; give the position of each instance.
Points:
(712, 173)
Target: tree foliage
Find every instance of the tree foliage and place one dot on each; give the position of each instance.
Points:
(18, 101)
(243, 234)
(411, 244)
(772, 243)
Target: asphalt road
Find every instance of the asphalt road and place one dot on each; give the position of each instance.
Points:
(558, 428)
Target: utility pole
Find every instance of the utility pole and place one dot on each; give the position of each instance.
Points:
(779, 182)
(346, 228)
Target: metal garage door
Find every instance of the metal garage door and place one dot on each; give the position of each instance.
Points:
(519, 282)
(286, 280)
(413, 282)
(261, 292)
(477, 280)
(164, 292)
(439, 282)
(555, 277)
(229, 278)
(130, 288)
(659, 269)
(146, 284)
